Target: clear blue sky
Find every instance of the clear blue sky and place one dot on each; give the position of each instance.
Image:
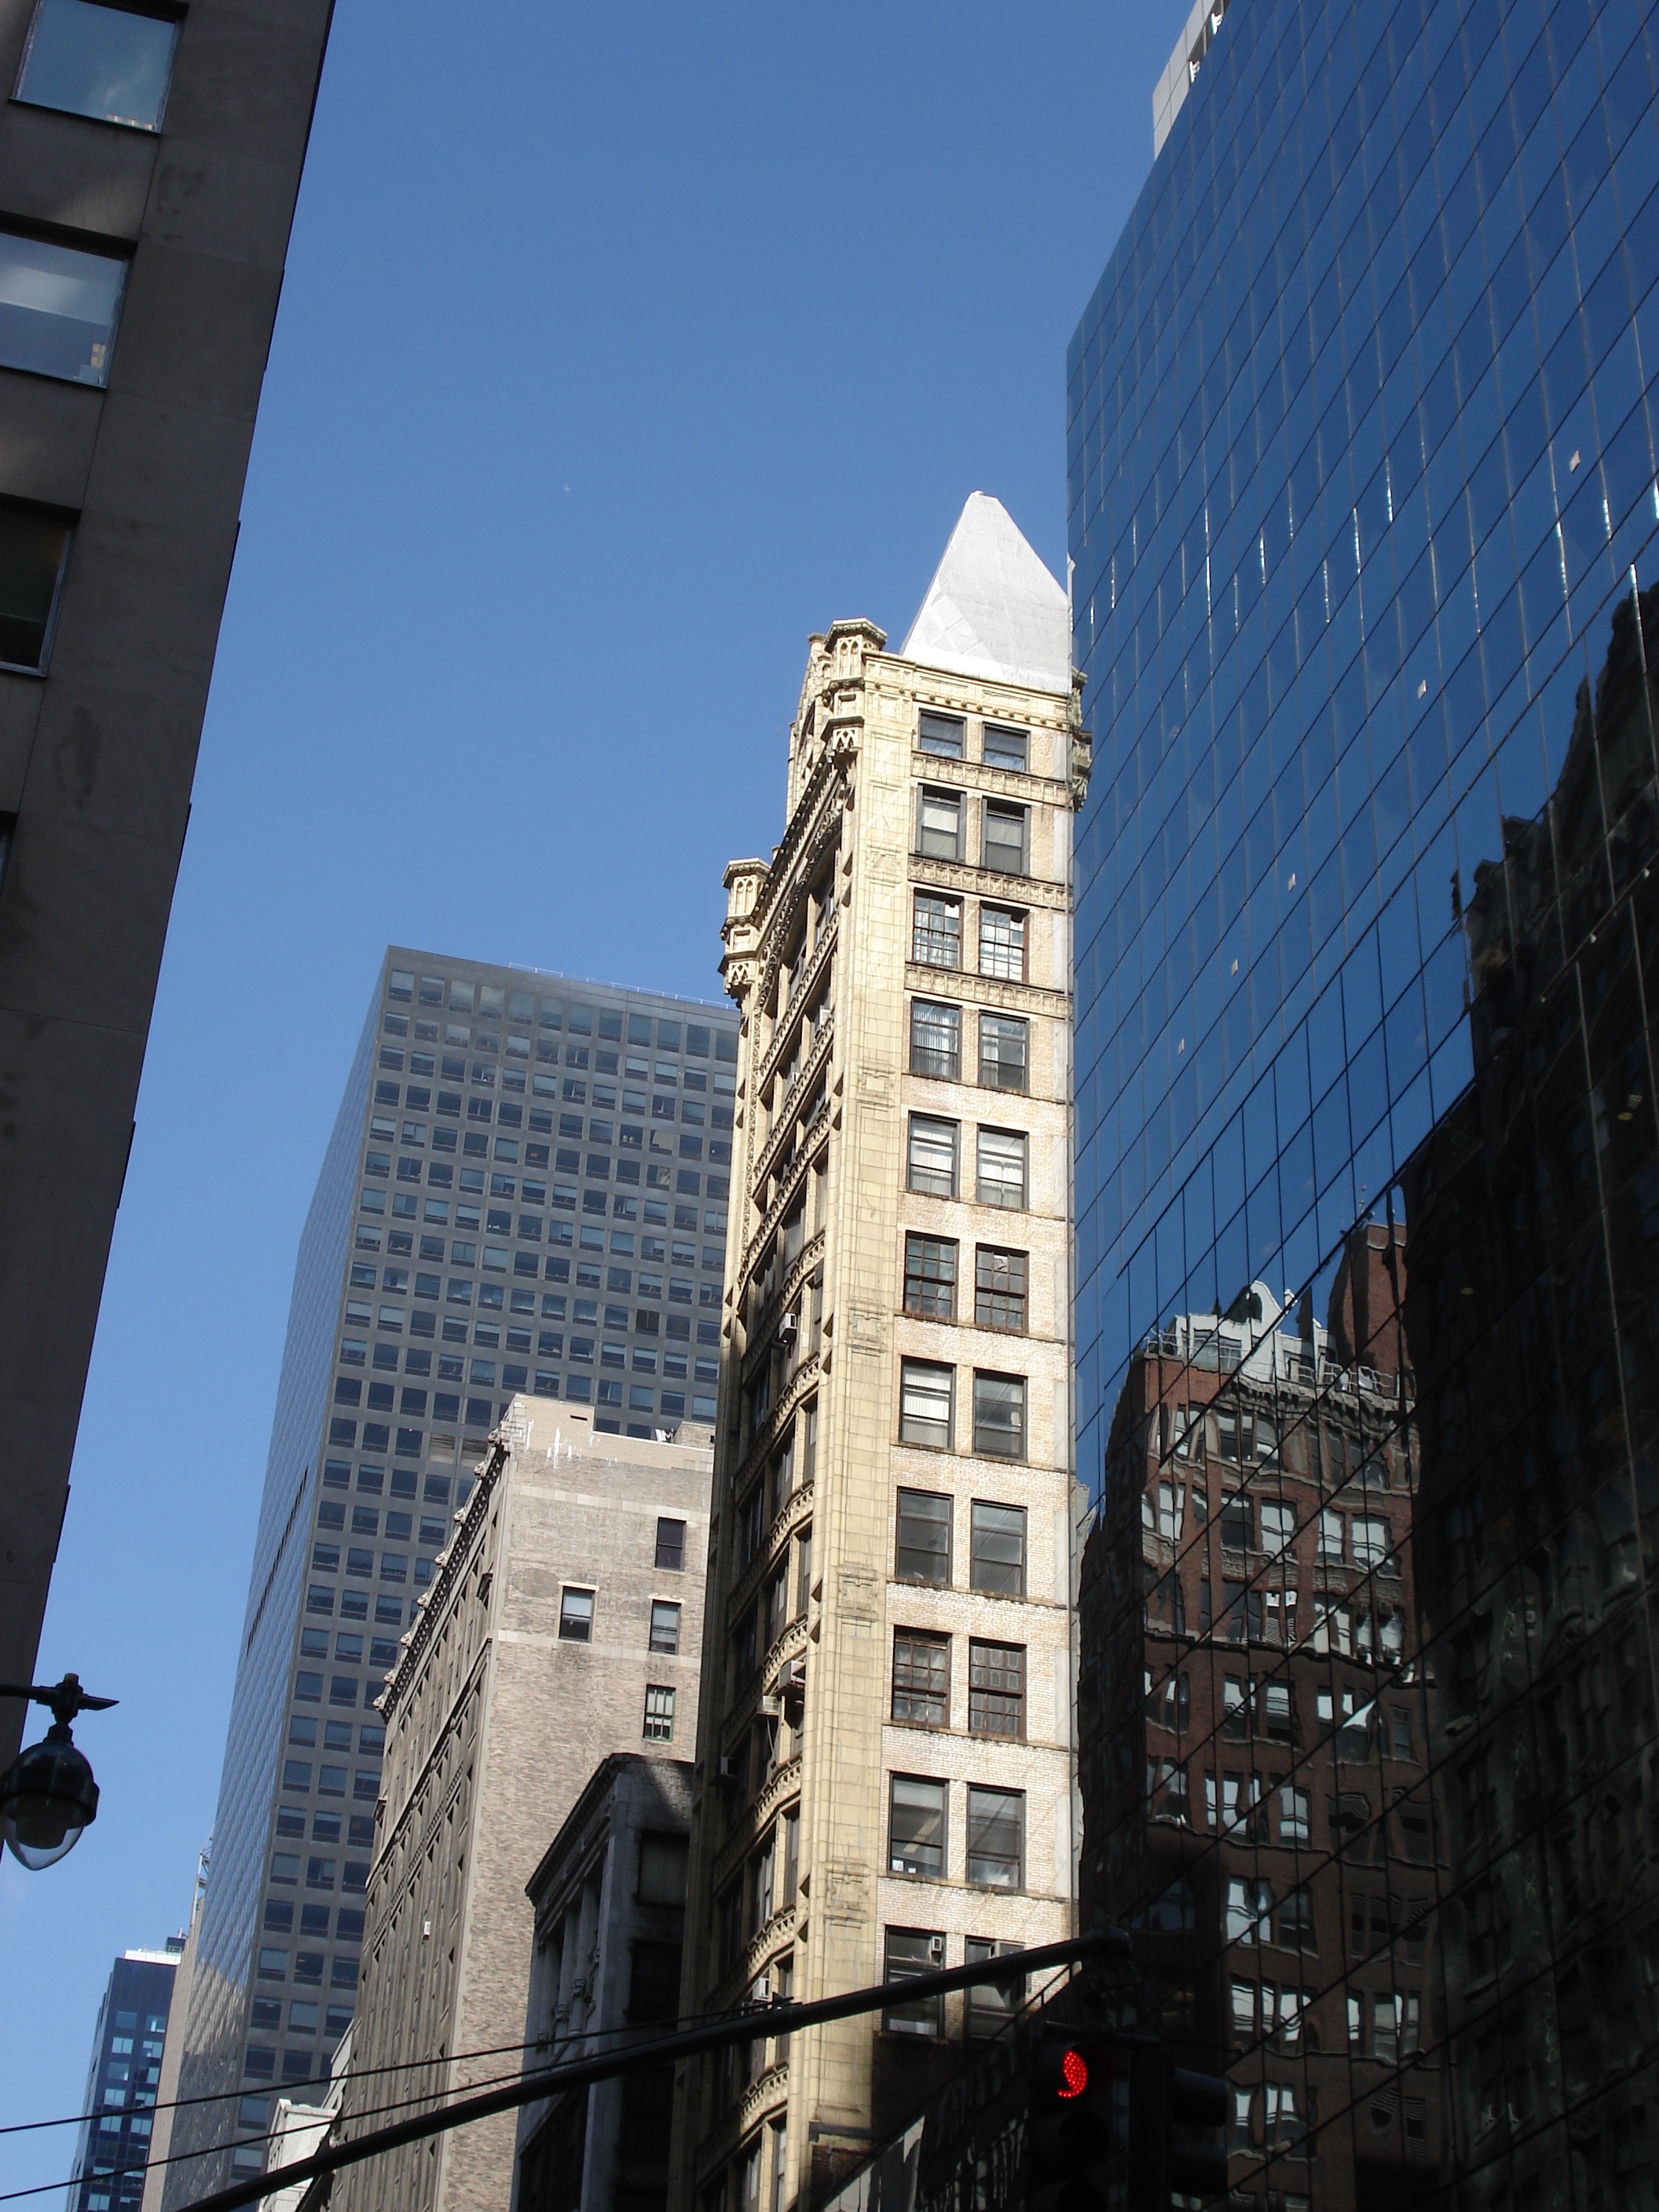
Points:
(620, 348)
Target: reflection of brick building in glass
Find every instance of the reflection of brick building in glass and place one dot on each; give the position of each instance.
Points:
(1534, 1213)
(1275, 1830)
(1376, 1731)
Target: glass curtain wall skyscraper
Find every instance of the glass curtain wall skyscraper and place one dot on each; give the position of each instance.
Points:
(526, 1190)
(1362, 515)
(122, 2081)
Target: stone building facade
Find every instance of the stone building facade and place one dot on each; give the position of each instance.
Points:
(564, 1624)
(883, 1777)
(609, 1898)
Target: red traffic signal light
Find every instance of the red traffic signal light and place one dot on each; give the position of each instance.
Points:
(1069, 2135)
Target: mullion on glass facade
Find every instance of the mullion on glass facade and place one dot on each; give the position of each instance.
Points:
(1361, 468)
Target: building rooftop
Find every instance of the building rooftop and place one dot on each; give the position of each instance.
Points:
(993, 609)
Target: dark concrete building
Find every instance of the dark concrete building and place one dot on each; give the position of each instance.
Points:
(610, 1904)
(148, 166)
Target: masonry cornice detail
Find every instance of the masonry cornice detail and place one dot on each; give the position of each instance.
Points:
(781, 1788)
(766, 1154)
(989, 882)
(795, 1509)
(794, 1178)
(962, 985)
(758, 1339)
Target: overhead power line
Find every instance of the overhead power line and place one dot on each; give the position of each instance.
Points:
(775, 2018)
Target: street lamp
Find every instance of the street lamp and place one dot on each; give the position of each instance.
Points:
(47, 1794)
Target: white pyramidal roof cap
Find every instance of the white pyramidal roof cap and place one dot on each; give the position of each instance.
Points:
(993, 609)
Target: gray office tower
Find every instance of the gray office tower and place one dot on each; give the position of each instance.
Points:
(122, 2081)
(526, 1190)
(149, 157)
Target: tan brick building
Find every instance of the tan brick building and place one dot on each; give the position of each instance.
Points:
(564, 1624)
(883, 1772)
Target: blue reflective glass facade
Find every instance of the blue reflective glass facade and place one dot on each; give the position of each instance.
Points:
(1361, 513)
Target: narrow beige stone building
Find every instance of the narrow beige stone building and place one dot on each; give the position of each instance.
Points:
(564, 1624)
(884, 1772)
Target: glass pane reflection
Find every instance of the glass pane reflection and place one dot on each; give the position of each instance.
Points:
(107, 63)
(58, 308)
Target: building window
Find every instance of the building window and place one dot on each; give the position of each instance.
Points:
(1004, 1053)
(940, 734)
(33, 555)
(997, 1549)
(1006, 748)
(663, 1861)
(922, 1678)
(1004, 841)
(1001, 1168)
(941, 824)
(576, 1616)
(926, 1392)
(999, 1416)
(670, 1547)
(1002, 944)
(665, 1628)
(996, 1837)
(1371, 1542)
(910, 1953)
(998, 1289)
(916, 1826)
(930, 1278)
(659, 1714)
(936, 936)
(923, 1550)
(936, 1039)
(71, 333)
(991, 2005)
(106, 63)
(931, 1162)
(996, 1689)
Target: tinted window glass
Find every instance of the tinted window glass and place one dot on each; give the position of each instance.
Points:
(103, 62)
(58, 309)
(33, 548)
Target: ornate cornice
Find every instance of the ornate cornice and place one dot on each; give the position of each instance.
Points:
(452, 1564)
(762, 2096)
(795, 1509)
(766, 1158)
(783, 1413)
(782, 1788)
(841, 747)
(999, 782)
(787, 1190)
(970, 990)
(760, 1337)
(989, 882)
(823, 953)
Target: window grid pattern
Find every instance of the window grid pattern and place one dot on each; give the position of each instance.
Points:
(1361, 440)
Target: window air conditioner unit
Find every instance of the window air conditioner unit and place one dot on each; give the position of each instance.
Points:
(788, 1329)
(936, 1949)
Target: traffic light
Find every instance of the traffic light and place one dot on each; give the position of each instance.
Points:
(1069, 2124)
(1169, 2107)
